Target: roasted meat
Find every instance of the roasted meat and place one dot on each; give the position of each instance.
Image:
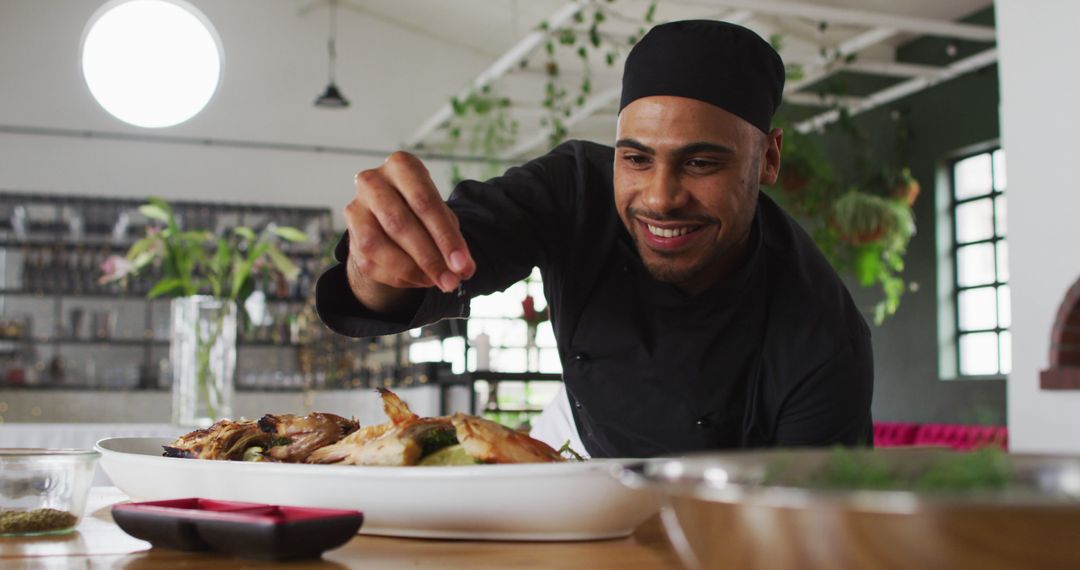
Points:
(400, 442)
(225, 440)
(293, 438)
(327, 438)
(491, 442)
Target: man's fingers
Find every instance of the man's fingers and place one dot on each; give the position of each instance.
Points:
(412, 180)
(402, 226)
(378, 258)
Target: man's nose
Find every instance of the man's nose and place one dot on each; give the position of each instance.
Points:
(664, 193)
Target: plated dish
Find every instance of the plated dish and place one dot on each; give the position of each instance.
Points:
(497, 485)
(406, 439)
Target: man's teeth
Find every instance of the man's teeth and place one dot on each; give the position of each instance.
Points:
(669, 232)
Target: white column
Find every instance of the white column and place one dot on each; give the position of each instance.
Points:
(1039, 94)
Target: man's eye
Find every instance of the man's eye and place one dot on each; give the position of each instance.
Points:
(699, 164)
(636, 159)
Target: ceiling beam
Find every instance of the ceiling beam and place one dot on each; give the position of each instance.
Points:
(892, 68)
(855, 17)
(822, 100)
(512, 57)
(812, 73)
(903, 89)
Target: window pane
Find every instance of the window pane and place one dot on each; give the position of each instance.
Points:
(1004, 307)
(975, 265)
(501, 332)
(979, 354)
(975, 221)
(999, 170)
(1002, 218)
(978, 309)
(508, 359)
(972, 176)
(504, 304)
(1006, 352)
(1003, 261)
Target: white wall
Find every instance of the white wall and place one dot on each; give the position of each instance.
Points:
(275, 65)
(1040, 88)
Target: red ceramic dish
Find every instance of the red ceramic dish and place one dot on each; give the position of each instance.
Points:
(249, 530)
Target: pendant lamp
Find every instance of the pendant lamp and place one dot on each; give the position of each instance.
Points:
(332, 98)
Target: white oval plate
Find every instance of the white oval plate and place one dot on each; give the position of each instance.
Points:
(537, 501)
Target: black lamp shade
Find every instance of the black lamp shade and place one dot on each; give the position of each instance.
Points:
(332, 98)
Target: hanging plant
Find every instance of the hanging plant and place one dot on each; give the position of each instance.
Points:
(864, 230)
(558, 99)
(481, 124)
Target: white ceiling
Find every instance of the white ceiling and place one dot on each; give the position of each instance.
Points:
(399, 61)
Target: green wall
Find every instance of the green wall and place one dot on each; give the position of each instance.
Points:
(941, 122)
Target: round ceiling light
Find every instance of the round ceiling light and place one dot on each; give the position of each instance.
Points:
(151, 63)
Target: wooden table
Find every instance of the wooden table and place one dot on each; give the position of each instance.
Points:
(99, 543)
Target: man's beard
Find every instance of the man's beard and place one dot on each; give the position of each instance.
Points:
(666, 269)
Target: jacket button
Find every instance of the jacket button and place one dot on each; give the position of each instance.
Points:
(577, 404)
(703, 422)
(581, 357)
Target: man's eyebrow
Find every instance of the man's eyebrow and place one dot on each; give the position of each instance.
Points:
(697, 147)
(634, 145)
(684, 150)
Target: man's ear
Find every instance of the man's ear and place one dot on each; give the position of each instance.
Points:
(770, 167)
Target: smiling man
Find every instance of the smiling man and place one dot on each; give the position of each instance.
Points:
(690, 311)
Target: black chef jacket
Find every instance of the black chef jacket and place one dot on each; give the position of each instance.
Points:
(775, 355)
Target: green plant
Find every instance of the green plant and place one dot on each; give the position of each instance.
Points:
(867, 236)
(481, 122)
(558, 100)
(196, 262)
(861, 216)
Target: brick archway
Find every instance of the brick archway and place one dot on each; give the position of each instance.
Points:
(1064, 371)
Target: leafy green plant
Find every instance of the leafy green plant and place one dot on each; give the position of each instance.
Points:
(482, 125)
(197, 262)
(862, 218)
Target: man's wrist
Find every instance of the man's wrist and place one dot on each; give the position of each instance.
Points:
(380, 298)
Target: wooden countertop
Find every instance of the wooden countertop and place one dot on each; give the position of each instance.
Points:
(98, 542)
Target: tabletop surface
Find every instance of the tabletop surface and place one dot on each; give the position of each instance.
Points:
(98, 542)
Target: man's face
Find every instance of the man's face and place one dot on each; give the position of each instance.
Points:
(687, 175)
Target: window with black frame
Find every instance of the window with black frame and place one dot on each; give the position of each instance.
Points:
(981, 265)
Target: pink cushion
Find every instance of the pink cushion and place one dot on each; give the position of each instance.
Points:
(961, 437)
(892, 434)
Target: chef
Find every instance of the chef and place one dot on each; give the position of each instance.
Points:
(691, 312)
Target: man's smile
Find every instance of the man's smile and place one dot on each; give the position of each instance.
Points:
(668, 236)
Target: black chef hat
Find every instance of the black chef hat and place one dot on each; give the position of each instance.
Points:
(719, 63)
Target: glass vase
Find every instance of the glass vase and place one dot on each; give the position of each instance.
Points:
(203, 355)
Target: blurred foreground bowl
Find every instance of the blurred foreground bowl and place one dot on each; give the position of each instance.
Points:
(904, 508)
(43, 491)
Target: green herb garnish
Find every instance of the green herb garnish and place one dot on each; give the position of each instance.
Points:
(566, 449)
(981, 470)
(437, 439)
(37, 520)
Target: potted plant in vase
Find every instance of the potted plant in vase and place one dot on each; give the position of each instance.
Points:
(209, 279)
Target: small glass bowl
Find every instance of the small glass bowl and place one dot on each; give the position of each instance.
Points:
(43, 491)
